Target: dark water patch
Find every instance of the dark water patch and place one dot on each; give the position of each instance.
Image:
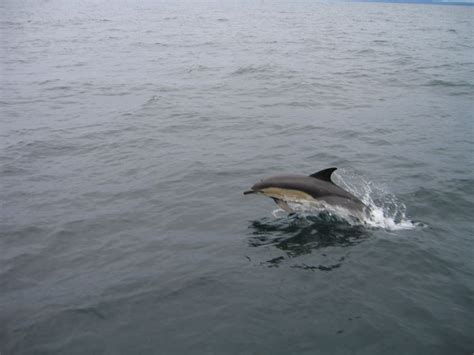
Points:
(200, 68)
(59, 88)
(162, 44)
(12, 169)
(22, 101)
(298, 236)
(462, 93)
(252, 69)
(450, 84)
(318, 267)
(89, 311)
(11, 23)
(365, 51)
(377, 141)
(49, 81)
(44, 149)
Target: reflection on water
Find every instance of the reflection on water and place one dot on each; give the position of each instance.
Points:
(298, 235)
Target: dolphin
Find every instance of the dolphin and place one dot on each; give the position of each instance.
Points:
(316, 188)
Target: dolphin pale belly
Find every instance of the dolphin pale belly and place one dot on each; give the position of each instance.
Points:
(317, 188)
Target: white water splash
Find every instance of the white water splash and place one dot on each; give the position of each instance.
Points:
(384, 210)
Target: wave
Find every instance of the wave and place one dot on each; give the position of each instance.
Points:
(450, 83)
(251, 69)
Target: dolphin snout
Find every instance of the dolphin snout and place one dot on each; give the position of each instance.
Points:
(255, 188)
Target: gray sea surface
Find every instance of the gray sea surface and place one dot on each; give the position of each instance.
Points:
(130, 129)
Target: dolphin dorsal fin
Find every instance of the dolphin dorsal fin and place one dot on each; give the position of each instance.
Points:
(324, 174)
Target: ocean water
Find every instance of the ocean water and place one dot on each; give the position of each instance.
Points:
(129, 131)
